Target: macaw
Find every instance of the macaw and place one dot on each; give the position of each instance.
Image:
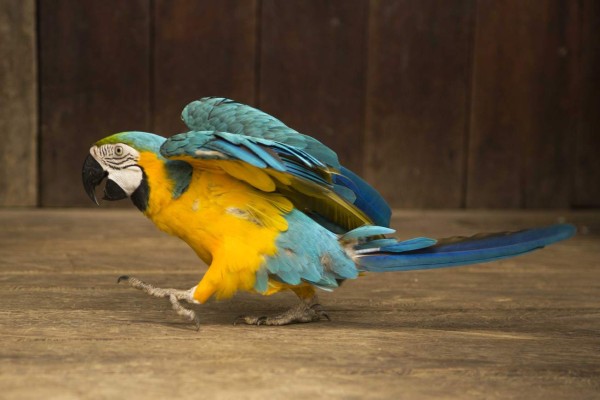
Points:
(269, 209)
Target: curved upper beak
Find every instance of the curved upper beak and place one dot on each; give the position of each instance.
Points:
(92, 174)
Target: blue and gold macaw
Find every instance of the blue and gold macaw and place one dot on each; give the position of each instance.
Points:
(270, 209)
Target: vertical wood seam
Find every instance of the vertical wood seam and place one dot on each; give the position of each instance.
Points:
(38, 100)
(366, 92)
(580, 103)
(363, 132)
(151, 65)
(258, 51)
(469, 105)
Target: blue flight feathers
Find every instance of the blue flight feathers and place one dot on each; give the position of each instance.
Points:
(261, 153)
(220, 114)
(409, 245)
(366, 197)
(465, 250)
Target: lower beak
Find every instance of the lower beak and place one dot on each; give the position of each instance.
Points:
(92, 175)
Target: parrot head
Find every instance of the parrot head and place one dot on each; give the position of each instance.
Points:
(116, 159)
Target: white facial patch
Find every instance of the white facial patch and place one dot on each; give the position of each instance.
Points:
(120, 161)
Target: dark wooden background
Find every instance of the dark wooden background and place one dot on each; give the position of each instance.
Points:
(438, 103)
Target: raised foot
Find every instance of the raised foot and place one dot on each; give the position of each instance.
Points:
(299, 314)
(174, 296)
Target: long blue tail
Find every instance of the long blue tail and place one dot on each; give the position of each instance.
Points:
(381, 255)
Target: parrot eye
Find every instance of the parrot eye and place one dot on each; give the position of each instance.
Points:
(119, 150)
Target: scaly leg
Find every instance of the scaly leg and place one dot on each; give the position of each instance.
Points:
(309, 310)
(174, 296)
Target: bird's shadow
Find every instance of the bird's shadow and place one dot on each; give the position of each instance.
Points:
(343, 319)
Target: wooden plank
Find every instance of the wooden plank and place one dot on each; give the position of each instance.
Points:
(201, 48)
(524, 104)
(587, 165)
(419, 64)
(523, 328)
(94, 82)
(18, 103)
(312, 70)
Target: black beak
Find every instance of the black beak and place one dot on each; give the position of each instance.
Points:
(92, 174)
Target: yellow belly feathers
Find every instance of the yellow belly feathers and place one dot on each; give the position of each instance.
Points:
(229, 224)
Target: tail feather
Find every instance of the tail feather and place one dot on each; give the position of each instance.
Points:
(393, 246)
(457, 251)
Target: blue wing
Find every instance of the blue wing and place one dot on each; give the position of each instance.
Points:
(213, 113)
(366, 197)
(260, 153)
(220, 114)
(269, 166)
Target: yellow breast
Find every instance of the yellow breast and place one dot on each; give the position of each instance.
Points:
(230, 225)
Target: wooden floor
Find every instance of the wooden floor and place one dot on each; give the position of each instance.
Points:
(523, 328)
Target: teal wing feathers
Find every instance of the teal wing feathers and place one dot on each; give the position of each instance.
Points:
(307, 253)
(214, 113)
(301, 177)
(257, 152)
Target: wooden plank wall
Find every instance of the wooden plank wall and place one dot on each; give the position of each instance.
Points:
(94, 75)
(201, 48)
(18, 104)
(586, 191)
(417, 98)
(524, 104)
(313, 70)
(469, 103)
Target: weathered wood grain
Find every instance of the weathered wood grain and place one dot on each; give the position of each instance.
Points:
(18, 103)
(586, 190)
(417, 100)
(474, 103)
(312, 70)
(524, 105)
(201, 48)
(94, 79)
(526, 327)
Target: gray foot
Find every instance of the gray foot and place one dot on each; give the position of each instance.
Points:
(174, 296)
(298, 314)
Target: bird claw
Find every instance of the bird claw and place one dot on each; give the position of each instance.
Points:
(298, 314)
(317, 308)
(196, 322)
(174, 296)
